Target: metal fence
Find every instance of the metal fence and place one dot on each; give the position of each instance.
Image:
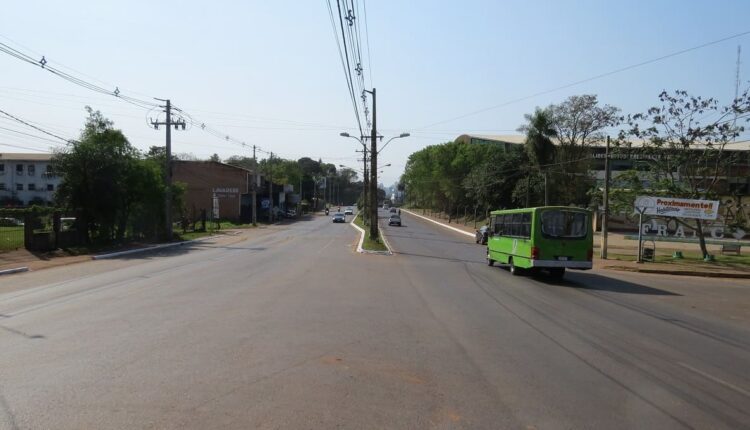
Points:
(37, 231)
(11, 232)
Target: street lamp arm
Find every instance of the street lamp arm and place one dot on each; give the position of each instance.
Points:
(402, 135)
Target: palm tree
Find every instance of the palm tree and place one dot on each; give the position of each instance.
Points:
(539, 134)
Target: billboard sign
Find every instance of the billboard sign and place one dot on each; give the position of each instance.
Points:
(679, 208)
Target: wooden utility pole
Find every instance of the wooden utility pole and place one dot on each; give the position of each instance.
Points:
(168, 164)
(605, 215)
(270, 189)
(255, 188)
(374, 170)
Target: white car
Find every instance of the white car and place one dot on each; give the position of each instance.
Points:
(349, 211)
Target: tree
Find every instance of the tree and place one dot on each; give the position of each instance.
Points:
(95, 177)
(215, 158)
(687, 156)
(574, 125)
(539, 132)
(107, 182)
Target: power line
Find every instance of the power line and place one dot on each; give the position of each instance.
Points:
(29, 134)
(44, 64)
(35, 127)
(592, 78)
(23, 147)
(367, 38)
(348, 70)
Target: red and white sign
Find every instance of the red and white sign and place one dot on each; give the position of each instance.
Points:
(680, 208)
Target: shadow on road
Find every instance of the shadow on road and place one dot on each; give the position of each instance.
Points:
(420, 237)
(459, 260)
(592, 281)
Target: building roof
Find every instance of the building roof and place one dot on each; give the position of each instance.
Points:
(197, 162)
(739, 145)
(21, 156)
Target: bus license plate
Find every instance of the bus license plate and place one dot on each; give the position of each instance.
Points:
(562, 258)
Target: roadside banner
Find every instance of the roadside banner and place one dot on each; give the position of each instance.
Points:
(680, 208)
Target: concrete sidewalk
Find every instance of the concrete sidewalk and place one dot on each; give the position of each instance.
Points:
(618, 246)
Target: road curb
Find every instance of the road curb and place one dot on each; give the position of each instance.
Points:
(14, 270)
(362, 239)
(457, 230)
(680, 272)
(148, 249)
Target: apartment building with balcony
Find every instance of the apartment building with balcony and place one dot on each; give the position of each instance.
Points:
(26, 179)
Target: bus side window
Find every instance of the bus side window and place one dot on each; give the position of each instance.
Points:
(526, 223)
(516, 231)
(497, 226)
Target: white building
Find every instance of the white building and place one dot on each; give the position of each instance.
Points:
(26, 179)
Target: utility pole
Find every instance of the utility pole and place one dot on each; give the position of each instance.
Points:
(605, 215)
(374, 170)
(270, 189)
(546, 195)
(254, 188)
(365, 184)
(528, 185)
(168, 123)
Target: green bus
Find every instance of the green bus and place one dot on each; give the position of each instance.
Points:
(553, 238)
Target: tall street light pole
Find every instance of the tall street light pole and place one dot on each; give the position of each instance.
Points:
(374, 233)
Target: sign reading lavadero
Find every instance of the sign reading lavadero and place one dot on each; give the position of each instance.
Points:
(680, 208)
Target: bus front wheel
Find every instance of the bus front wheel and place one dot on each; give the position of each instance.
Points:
(490, 261)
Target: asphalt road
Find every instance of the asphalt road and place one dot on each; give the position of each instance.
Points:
(294, 329)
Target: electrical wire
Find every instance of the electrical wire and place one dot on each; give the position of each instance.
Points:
(35, 127)
(367, 38)
(589, 79)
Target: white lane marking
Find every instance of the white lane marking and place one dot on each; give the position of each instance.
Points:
(715, 379)
(458, 230)
(361, 233)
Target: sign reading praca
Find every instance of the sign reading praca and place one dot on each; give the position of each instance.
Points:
(680, 208)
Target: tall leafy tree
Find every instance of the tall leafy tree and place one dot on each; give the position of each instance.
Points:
(96, 177)
(688, 155)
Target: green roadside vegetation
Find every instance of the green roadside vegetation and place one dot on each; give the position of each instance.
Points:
(369, 244)
(11, 238)
(694, 259)
(211, 228)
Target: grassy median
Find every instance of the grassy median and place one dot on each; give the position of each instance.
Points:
(369, 244)
(693, 259)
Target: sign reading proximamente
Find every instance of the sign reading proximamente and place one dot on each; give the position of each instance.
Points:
(680, 208)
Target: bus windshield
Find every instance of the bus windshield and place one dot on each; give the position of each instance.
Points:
(559, 223)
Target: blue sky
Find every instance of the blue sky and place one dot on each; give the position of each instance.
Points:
(268, 73)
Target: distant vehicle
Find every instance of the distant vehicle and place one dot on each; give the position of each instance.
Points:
(394, 210)
(349, 211)
(339, 217)
(291, 213)
(553, 238)
(10, 222)
(481, 235)
(385, 206)
(394, 220)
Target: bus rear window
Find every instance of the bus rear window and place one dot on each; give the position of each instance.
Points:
(564, 224)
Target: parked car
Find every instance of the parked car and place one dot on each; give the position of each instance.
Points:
(339, 217)
(349, 211)
(394, 220)
(291, 213)
(481, 235)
